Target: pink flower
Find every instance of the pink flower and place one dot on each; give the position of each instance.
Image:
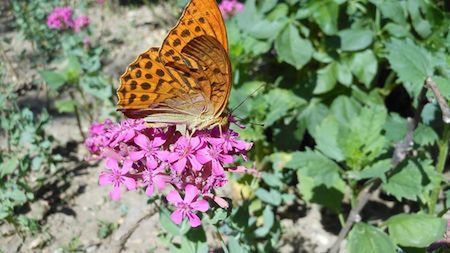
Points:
(148, 149)
(154, 177)
(186, 207)
(125, 131)
(60, 18)
(97, 137)
(80, 22)
(183, 152)
(230, 8)
(117, 176)
(214, 155)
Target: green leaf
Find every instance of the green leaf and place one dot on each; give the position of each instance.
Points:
(326, 136)
(317, 166)
(65, 105)
(398, 31)
(392, 9)
(369, 239)
(412, 64)
(344, 74)
(376, 170)
(234, 245)
(325, 13)
(292, 49)
(73, 69)
(416, 230)
(364, 66)
(273, 197)
(395, 127)
(344, 109)
(271, 179)
(355, 39)
(269, 219)
(54, 79)
(279, 102)
(8, 167)
(168, 225)
(406, 183)
(326, 79)
(313, 115)
(425, 135)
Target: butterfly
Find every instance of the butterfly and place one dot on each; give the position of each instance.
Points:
(185, 81)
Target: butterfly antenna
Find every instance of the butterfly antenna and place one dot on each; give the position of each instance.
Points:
(251, 123)
(245, 100)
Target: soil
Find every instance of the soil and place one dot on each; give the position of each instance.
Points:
(72, 213)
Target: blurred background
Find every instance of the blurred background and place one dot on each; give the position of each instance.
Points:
(350, 142)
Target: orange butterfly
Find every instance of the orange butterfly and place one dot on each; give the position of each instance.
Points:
(186, 81)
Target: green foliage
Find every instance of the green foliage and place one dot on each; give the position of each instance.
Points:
(26, 158)
(332, 116)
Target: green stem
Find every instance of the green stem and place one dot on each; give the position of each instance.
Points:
(442, 158)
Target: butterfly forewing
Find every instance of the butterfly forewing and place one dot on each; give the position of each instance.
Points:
(188, 80)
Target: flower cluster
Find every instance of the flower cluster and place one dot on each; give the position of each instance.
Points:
(230, 7)
(157, 159)
(61, 18)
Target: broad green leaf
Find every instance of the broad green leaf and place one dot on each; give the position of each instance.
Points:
(325, 13)
(421, 25)
(292, 49)
(425, 135)
(396, 127)
(315, 165)
(73, 69)
(378, 170)
(326, 79)
(271, 179)
(313, 114)
(364, 66)
(411, 62)
(369, 239)
(265, 29)
(54, 79)
(416, 230)
(326, 136)
(355, 39)
(362, 140)
(65, 105)
(279, 102)
(169, 226)
(271, 197)
(444, 85)
(398, 31)
(344, 109)
(406, 183)
(392, 9)
(344, 74)
(234, 245)
(269, 219)
(8, 167)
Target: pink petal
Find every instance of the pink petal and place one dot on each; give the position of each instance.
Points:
(195, 142)
(126, 167)
(129, 183)
(136, 155)
(104, 179)
(221, 202)
(226, 158)
(149, 190)
(196, 165)
(180, 165)
(151, 162)
(174, 197)
(203, 156)
(177, 216)
(114, 194)
(200, 205)
(164, 156)
(194, 220)
(142, 141)
(158, 141)
(112, 164)
(161, 181)
(191, 193)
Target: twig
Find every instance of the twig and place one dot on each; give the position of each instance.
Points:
(430, 84)
(118, 245)
(401, 150)
(77, 116)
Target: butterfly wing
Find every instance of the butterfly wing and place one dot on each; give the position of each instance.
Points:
(188, 80)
